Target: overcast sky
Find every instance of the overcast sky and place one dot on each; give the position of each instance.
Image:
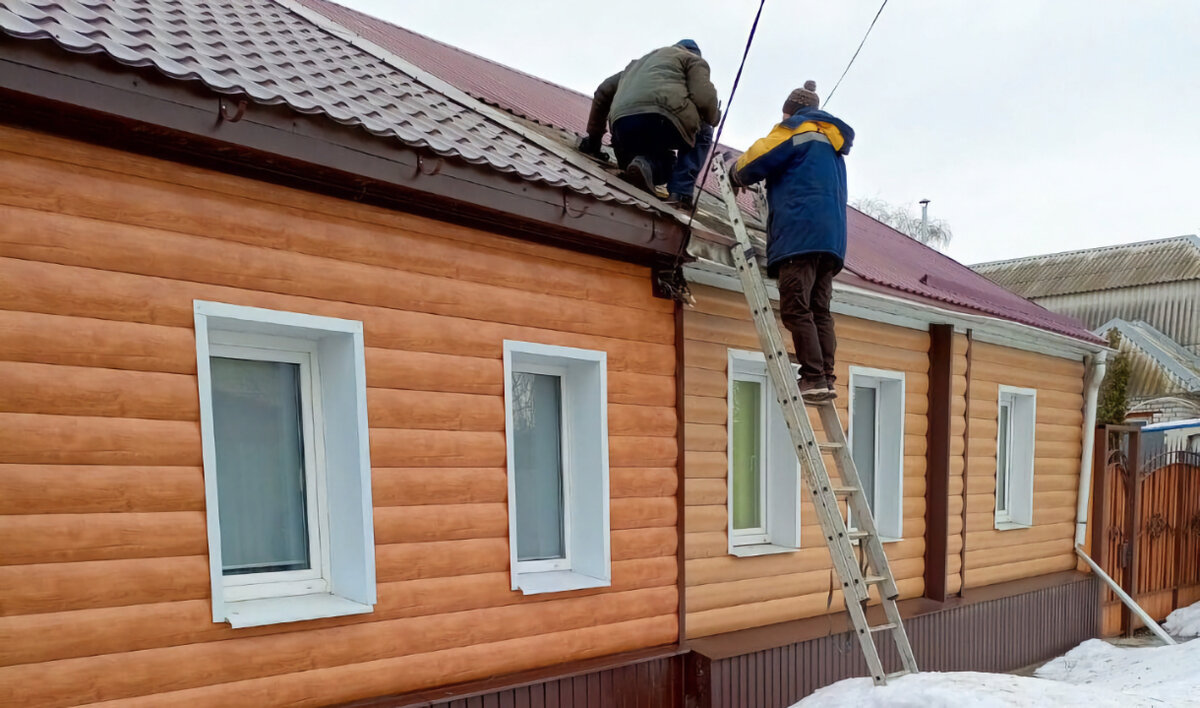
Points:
(1032, 125)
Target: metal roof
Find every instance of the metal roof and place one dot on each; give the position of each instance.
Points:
(361, 71)
(1159, 364)
(1104, 268)
(274, 55)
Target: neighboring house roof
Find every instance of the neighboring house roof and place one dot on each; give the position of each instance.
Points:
(1105, 268)
(273, 55)
(1159, 365)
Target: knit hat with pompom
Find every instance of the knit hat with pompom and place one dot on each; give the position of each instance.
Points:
(802, 98)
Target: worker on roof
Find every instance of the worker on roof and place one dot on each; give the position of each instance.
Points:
(801, 160)
(661, 109)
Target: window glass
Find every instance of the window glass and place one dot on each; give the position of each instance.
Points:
(262, 495)
(747, 455)
(537, 447)
(1002, 456)
(864, 444)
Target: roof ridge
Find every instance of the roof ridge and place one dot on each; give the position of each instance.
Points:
(1183, 238)
(460, 50)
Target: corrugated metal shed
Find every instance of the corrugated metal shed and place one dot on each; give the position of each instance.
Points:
(1106, 268)
(1159, 366)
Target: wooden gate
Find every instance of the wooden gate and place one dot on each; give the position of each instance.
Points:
(1146, 531)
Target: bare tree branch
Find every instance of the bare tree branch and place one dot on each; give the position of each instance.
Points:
(936, 234)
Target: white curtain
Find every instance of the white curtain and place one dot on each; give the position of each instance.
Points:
(260, 465)
(537, 449)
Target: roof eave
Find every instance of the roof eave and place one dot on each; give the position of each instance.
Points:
(865, 303)
(36, 74)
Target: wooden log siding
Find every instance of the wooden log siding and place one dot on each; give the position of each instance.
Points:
(725, 593)
(997, 556)
(101, 489)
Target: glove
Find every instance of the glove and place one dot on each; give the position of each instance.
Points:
(731, 170)
(590, 145)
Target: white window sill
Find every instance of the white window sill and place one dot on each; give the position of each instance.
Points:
(759, 549)
(1009, 525)
(278, 610)
(557, 581)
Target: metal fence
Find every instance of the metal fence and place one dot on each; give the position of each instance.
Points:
(1146, 530)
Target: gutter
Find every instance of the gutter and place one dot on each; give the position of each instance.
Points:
(1095, 375)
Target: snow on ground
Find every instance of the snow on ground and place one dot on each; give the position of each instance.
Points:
(1094, 674)
(1184, 622)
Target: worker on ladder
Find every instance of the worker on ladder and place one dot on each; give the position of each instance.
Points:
(801, 160)
(662, 109)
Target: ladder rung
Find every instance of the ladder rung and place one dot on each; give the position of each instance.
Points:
(831, 446)
(883, 627)
(843, 491)
(872, 579)
(856, 534)
(898, 674)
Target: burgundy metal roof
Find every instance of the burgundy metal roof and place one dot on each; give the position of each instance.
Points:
(877, 253)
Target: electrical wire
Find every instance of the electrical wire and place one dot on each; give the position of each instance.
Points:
(856, 51)
(720, 127)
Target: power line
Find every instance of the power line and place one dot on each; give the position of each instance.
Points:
(856, 51)
(712, 154)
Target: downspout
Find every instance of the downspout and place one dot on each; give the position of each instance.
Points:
(1096, 366)
(1095, 374)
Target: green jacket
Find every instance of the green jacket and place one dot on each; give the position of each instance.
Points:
(670, 81)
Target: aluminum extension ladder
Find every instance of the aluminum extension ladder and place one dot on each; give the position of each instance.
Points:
(874, 570)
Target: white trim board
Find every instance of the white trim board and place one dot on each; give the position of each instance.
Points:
(880, 307)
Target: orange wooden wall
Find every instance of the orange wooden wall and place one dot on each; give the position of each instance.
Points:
(725, 593)
(1048, 546)
(104, 579)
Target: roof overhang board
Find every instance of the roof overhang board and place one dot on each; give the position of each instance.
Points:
(142, 101)
(854, 301)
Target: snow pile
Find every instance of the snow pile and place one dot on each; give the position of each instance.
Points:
(1094, 674)
(1184, 622)
(1167, 673)
(966, 689)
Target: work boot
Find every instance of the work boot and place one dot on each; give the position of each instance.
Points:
(640, 174)
(813, 390)
(682, 201)
(832, 388)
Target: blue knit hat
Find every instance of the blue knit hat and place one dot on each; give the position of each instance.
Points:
(690, 45)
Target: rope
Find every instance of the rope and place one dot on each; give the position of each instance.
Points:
(856, 51)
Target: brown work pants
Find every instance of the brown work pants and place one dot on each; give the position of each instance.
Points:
(805, 289)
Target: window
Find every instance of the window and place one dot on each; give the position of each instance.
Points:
(877, 445)
(556, 423)
(764, 474)
(1016, 413)
(283, 422)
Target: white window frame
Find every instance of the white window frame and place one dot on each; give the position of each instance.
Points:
(584, 445)
(888, 497)
(780, 485)
(564, 563)
(332, 380)
(1022, 436)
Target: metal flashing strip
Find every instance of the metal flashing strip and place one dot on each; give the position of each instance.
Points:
(855, 301)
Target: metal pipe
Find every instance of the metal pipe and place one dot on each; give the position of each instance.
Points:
(1096, 367)
(1125, 598)
(925, 219)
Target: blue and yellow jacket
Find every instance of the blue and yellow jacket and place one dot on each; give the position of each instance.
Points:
(801, 160)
